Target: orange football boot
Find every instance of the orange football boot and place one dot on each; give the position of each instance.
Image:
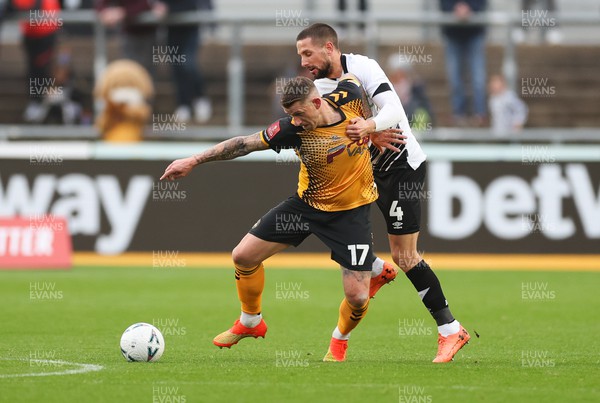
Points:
(449, 346)
(337, 350)
(387, 275)
(237, 332)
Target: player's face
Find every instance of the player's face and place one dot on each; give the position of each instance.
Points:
(315, 58)
(305, 114)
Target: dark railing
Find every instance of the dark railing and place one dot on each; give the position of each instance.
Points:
(237, 22)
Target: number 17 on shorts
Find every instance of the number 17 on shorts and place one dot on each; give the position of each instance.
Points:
(355, 251)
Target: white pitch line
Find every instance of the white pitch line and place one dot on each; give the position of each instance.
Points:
(83, 368)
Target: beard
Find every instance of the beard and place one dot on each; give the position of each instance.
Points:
(324, 72)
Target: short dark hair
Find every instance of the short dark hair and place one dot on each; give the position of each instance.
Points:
(297, 89)
(320, 33)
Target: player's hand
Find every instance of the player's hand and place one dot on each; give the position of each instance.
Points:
(389, 139)
(359, 128)
(179, 169)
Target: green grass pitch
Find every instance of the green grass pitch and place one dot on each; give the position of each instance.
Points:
(538, 338)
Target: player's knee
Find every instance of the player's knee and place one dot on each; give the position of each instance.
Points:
(242, 258)
(405, 259)
(358, 298)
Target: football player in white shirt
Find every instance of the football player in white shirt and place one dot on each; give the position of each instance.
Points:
(399, 176)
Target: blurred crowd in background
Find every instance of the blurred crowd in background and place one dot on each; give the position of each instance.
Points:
(476, 100)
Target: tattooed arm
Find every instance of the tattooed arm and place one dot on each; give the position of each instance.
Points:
(226, 150)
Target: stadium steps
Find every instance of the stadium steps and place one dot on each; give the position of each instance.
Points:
(571, 69)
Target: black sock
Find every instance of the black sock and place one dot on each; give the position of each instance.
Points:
(429, 289)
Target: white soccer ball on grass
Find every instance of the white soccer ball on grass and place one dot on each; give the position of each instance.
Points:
(142, 342)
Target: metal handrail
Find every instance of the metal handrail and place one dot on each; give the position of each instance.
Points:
(372, 20)
(217, 133)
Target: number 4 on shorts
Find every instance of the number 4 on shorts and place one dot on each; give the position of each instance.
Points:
(360, 246)
(396, 211)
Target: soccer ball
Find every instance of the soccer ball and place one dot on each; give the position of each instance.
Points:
(142, 342)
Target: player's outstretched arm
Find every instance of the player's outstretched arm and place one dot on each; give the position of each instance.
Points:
(226, 150)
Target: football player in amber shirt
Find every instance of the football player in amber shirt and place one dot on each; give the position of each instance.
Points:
(335, 189)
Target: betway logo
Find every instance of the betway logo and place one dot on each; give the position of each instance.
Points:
(502, 205)
(81, 199)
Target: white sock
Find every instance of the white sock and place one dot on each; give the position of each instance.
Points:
(338, 335)
(377, 267)
(250, 319)
(449, 328)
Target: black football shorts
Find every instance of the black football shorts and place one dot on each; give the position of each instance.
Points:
(346, 233)
(400, 195)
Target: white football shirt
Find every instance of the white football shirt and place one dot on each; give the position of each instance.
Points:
(374, 81)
